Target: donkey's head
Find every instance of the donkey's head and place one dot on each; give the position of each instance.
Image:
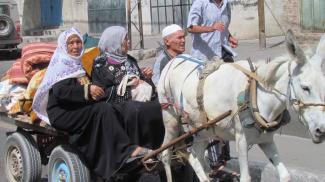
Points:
(307, 87)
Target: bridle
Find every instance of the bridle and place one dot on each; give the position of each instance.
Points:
(293, 102)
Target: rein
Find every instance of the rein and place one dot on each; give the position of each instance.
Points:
(297, 102)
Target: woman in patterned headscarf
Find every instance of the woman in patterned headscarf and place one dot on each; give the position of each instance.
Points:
(66, 100)
(116, 71)
(118, 74)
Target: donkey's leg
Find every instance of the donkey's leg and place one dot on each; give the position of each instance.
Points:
(243, 157)
(171, 131)
(196, 159)
(272, 153)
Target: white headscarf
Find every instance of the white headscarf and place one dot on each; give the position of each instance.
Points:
(111, 42)
(62, 66)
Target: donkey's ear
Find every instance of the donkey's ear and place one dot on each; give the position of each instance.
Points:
(294, 49)
(319, 56)
(321, 47)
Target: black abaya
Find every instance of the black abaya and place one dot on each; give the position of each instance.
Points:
(143, 122)
(94, 128)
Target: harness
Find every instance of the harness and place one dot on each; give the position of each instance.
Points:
(297, 102)
(247, 100)
(248, 107)
(170, 99)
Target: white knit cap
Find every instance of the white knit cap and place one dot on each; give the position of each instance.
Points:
(170, 29)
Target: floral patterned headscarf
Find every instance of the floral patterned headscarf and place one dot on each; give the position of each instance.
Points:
(110, 42)
(62, 66)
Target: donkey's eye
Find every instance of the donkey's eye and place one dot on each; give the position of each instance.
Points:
(305, 88)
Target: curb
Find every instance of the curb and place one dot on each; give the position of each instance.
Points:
(30, 39)
(265, 172)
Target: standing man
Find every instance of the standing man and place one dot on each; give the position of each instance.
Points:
(174, 44)
(208, 21)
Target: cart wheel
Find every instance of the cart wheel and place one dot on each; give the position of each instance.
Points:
(65, 165)
(22, 158)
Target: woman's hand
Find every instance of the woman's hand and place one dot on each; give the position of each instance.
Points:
(147, 72)
(96, 92)
(233, 42)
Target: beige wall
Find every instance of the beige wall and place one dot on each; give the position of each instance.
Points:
(244, 23)
(75, 14)
(146, 17)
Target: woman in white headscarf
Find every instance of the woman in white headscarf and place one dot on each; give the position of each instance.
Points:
(112, 70)
(66, 100)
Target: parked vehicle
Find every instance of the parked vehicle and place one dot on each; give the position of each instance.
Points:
(10, 28)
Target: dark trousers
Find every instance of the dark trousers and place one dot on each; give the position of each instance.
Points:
(218, 153)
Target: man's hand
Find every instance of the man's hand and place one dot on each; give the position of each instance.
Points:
(147, 72)
(233, 42)
(218, 26)
(133, 81)
(96, 92)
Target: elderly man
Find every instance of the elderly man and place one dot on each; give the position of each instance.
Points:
(174, 44)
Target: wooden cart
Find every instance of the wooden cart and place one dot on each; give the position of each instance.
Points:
(34, 145)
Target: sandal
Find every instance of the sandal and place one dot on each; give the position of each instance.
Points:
(225, 174)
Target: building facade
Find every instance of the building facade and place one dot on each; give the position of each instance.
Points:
(93, 16)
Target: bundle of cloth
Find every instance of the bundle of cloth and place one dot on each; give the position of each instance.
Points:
(15, 74)
(35, 57)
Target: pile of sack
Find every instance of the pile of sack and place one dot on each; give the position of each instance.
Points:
(21, 81)
(19, 85)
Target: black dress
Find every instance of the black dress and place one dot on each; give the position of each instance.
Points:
(94, 128)
(142, 120)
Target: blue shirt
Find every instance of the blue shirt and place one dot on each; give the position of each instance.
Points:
(161, 60)
(206, 13)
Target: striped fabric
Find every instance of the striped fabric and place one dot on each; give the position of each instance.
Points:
(35, 57)
(16, 74)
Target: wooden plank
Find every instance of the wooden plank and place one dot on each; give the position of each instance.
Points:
(22, 121)
(307, 14)
(261, 23)
(317, 15)
(320, 11)
(323, 14)
(186, 135)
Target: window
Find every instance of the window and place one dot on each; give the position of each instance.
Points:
(4, 9)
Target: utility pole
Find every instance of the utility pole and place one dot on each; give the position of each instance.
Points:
(128, 12)
(140, 25)
(261, 24)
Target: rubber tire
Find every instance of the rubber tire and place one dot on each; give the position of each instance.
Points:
(30, 157)
(78, 170)
(10, 25)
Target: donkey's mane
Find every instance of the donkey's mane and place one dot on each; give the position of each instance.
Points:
(267, 71)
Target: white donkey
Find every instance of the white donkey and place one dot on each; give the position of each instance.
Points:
(291, 81)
